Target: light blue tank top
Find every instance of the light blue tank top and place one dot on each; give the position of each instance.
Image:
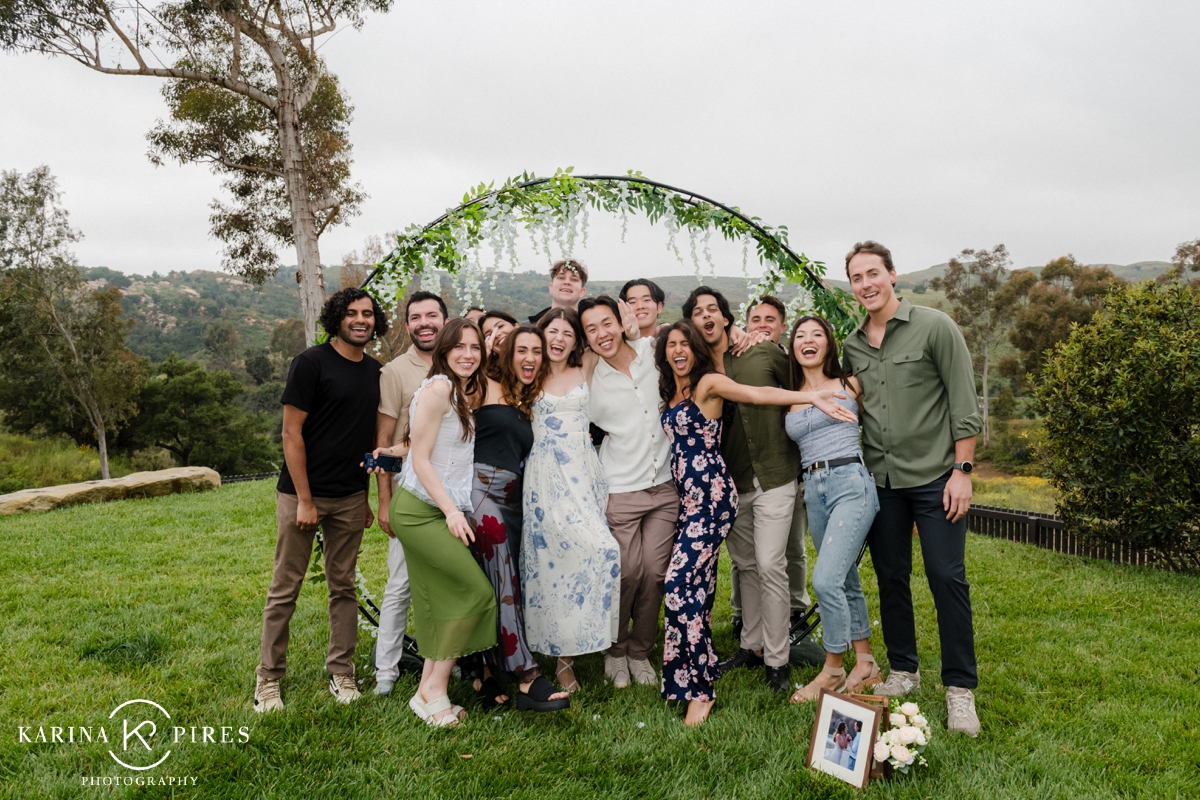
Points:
(820, 437)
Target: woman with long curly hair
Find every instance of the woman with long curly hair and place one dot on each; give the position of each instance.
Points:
(453, 602)
(693, 398)
(503, 438)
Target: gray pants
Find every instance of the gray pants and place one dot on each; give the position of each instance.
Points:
(758, 546)
(797, 563)
(393, 609)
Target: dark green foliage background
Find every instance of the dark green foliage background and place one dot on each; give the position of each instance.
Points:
(1121, 405)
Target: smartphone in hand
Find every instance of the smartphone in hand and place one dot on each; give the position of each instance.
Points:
(388, 463)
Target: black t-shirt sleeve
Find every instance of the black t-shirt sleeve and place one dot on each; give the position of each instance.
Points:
(302, 383)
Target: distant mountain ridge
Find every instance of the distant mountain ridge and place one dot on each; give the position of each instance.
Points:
(1138, 271)
(172, 311)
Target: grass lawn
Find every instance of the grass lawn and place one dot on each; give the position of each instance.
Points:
(1089, 684)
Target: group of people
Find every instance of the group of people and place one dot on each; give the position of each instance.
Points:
(565, 481)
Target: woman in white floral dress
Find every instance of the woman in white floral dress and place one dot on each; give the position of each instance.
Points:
(570, 563)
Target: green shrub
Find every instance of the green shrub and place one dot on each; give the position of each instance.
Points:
(30, 463)
(1121, 405)
(1014, 445)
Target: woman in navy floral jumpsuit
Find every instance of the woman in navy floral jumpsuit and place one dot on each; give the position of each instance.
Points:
(693, 396)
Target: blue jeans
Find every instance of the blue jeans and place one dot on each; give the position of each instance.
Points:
(841, 506)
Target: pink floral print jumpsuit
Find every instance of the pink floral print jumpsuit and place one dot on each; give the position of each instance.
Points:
(708, 505)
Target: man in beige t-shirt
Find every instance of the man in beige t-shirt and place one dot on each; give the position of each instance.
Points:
(424, 315)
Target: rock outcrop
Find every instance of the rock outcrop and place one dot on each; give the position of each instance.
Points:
(139, 484)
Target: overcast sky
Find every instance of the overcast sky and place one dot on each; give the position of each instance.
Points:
(1052, 127)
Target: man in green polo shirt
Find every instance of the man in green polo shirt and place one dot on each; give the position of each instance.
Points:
(764, 464)
(920, 418)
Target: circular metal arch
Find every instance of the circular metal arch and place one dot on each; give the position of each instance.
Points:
(691, 198)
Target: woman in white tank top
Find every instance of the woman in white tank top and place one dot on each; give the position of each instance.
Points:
(454, 607)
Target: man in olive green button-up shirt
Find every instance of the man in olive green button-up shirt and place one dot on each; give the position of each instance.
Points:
(920, 418)
(919, 395)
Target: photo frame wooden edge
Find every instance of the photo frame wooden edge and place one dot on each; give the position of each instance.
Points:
(874, 708)
(879, 771)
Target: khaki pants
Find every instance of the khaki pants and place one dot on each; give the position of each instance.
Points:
(758, 546)
(797, 562)
(341, 521)
(643, 523)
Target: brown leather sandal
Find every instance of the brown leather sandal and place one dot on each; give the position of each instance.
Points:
(809, 693)
(855, 686)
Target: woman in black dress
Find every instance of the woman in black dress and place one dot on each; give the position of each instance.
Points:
(503, 437)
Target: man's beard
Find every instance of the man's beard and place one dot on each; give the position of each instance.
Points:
(417, 342)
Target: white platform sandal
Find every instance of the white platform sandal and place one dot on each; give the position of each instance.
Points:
(437, 706)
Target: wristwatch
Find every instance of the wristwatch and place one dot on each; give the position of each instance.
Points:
(965, 466)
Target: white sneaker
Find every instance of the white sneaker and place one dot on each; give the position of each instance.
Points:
(960, 711)
(899, 683)
(343, 688)
(642, 672)
(266, 695)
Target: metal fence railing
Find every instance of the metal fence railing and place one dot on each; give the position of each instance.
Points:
(1048, 531)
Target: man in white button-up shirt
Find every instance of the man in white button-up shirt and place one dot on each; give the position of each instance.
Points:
(643, 505)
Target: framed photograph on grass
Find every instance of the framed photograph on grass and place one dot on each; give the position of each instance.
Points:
(843, 737)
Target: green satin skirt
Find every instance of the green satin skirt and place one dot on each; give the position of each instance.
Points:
(454, 606)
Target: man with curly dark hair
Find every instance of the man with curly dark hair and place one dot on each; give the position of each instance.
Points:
(337, 308)
(329, 407)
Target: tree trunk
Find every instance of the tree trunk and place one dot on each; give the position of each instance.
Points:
(102, 448)
(304, 223)
(987, 428)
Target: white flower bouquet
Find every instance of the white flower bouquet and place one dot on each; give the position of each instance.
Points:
(903, 746)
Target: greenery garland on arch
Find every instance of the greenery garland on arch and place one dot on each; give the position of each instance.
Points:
(554, 213)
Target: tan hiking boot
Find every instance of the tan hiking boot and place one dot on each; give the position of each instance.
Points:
(617, 669)
(343, 688)
(642, 672)
(266, 695)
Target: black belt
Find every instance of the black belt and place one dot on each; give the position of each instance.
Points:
(835, 462)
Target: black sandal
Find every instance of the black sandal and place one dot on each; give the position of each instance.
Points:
(489, 689)
(538, 697)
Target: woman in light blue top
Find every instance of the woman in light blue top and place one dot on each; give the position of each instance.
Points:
(841, 499)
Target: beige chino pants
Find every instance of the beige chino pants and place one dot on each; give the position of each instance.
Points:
(758, 545)
(643, 523)
(797, 562)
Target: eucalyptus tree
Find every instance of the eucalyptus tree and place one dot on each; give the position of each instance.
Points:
(64, 366)
(983, 295)
(248, 95)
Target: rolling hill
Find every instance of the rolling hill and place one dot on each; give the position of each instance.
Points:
(172, 311)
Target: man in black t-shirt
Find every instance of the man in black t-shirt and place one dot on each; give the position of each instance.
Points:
(329, 407)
